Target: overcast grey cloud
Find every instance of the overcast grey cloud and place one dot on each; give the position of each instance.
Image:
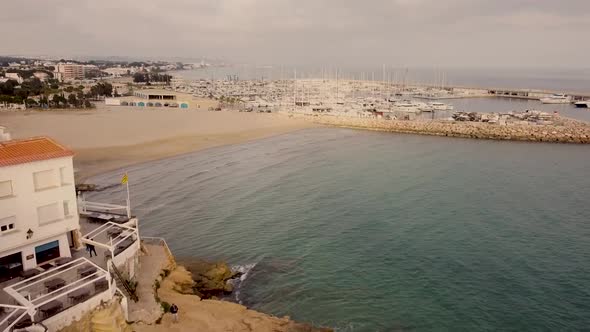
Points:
(397, 32)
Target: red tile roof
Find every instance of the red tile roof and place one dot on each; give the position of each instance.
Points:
(22, 151)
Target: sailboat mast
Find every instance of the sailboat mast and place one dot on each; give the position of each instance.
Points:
(337, 86)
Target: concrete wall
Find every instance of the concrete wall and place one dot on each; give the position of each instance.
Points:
(22, 206)
(112, 101)
(127, 260)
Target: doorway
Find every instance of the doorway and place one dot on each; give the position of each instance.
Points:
(11, 266)
(47, 252)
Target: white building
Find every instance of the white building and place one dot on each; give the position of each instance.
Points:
(42, 76)
(38, 213)
(118, 71)
(14, 76)
(41, 284)
(69, 71)
(4, 134)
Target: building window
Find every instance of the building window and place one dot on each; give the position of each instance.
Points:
(5, 228)
(45, 179)
(6, 189)
(67, 210)
(48, 213)
(7, 224)
(65, 176)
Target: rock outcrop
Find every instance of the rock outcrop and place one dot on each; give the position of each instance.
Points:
(196, 314)
(210, 279)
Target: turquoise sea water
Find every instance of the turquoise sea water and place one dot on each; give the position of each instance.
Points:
(366, 231)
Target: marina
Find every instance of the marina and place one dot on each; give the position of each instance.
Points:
(390, 100)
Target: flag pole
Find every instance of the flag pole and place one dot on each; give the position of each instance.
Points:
(128, 199)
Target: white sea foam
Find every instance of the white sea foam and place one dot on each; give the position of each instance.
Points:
(245, 270)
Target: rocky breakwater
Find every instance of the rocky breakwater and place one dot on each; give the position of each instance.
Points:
(562, 131)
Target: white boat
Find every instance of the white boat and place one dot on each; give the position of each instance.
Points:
(583, 104)
(408, 106)
(556, 98)
(437, 106)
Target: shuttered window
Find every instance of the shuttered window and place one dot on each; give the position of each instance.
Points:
(45, 179)
(5, 188)
(67, 209)
(49, 213)
(65, 175)
(7, 224)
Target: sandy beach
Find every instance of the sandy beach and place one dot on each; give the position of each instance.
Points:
(109, 138)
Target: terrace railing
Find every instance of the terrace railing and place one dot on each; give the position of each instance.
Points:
(160, 241)
(11, 315)
(122, 282)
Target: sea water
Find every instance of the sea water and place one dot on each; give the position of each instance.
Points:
(366, 231)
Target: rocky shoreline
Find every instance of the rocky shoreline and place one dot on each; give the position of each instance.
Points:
(181, 287)
(565, 131)
(211, 278)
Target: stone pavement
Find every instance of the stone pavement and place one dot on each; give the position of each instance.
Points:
(151, 264)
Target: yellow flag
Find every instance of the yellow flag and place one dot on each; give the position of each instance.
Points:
(125, 179)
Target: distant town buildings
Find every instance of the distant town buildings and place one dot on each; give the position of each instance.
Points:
(150, 98)
(119, 71)
(14, 76)
(69, 71)
(41, 75)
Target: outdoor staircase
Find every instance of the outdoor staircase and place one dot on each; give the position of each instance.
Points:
(122, 283)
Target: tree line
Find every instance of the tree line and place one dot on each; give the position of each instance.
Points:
(34, 93)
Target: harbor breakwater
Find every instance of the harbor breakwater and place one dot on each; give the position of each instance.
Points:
(567, 131)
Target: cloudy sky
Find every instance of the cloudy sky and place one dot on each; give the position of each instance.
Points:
(395, 32)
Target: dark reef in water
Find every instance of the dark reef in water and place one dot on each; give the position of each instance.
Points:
(211, 278)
